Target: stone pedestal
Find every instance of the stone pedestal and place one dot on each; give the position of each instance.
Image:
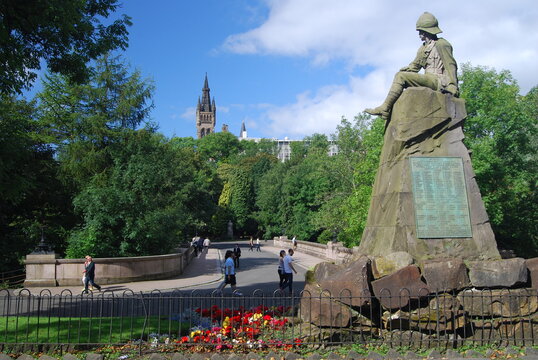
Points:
(423, 123)
(40, 270)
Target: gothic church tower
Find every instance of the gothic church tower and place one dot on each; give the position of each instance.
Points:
(206, 112)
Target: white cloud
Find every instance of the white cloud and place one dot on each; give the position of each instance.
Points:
(189, 114)
(381, 34)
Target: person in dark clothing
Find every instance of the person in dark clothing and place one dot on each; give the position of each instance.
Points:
(200, 245)
(237, 253)
(281, 268)
(89, 274)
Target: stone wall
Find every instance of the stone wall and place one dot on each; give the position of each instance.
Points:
(335, 252)
(493, 301)
(48, 270)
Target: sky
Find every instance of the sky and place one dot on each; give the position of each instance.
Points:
(292, 68)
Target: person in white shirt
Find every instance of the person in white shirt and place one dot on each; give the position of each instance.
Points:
(229, 273)
(207, 242)
(288, 268)
(258, 244)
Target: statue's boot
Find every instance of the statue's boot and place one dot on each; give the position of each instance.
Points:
(395, 91)
(384, 109)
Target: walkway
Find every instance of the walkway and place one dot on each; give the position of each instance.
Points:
(204, 273)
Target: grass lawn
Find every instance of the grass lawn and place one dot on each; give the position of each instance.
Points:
(104, 330)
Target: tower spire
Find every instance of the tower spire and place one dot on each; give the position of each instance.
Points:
(205, 112)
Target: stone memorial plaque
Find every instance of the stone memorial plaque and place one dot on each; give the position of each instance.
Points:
(440, 197)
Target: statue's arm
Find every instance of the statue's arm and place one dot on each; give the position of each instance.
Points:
(445, 51)
(417, 63)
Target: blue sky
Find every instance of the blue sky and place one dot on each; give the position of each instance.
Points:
(295, 67)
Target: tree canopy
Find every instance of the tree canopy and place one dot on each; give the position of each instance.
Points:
(65, 34)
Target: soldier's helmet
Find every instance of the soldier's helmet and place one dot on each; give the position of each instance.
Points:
(428, 23)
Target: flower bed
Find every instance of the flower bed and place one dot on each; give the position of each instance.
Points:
(261, 328)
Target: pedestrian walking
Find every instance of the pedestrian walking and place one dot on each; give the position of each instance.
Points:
(200, 245)
(237, 255)
(281, 268)
(194, 244)
(258, 245)
(229, 273)
(294, 243)
(288, 271)
(251, 244)
(207, 242)
(89, 275)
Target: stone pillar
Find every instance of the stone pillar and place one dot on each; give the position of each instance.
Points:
(423, 123)
(40, 270)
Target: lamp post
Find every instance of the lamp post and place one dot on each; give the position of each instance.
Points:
(42, 247)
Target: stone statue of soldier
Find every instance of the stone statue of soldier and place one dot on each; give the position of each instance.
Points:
(434, 56)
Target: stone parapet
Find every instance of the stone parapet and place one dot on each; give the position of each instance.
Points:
(48, 270)
(336, 252)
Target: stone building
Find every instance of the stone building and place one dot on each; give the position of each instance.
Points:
(206, 113)
(206, 120)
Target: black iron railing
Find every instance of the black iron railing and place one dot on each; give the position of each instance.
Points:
(12, 278)
(185, 319)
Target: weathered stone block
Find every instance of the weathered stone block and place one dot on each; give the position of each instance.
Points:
(324, 270)
(321, 310)
(499, 302)
(25, 357)
(414, 339)
(351, 284)
(386, 265)
(93, 356)
(497, 273)
(396, 290)
(443, 313)
(444, 275)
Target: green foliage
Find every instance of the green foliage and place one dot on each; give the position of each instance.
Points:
(32, 200)
(219, 146)
(501, 131)
(145, 203)
(241, 184)
(352, 171)
(269, 200)
(84, 120)
(66, 34)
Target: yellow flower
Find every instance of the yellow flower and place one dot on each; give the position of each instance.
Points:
(226, 322)
(196, 332)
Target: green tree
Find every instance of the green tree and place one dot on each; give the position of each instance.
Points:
(220, 146)
(270, 200)
(147, 202)
(241, 184)
(83, 120)
(352, 172)
(65, 34)
(305, 187)
(32, 200)
(501, 130)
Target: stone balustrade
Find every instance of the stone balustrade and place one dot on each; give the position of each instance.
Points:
(335, 252)
(48, 270)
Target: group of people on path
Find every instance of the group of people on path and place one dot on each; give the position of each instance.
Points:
(88, 277)
(286, 270)
(253, 244)
(231, 263)
(200, 245)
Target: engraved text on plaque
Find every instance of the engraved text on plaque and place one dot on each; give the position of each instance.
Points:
(440, 197)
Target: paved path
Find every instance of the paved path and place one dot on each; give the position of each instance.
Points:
(258, 270)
